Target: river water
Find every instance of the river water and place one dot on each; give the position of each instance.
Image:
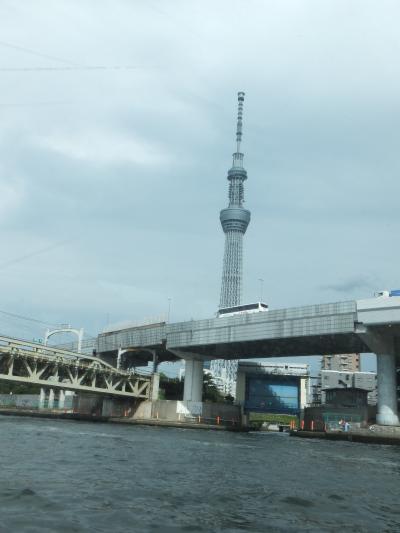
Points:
(64, 476)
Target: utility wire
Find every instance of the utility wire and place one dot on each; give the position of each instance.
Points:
(87, 335)
(35, 53)
(33, 104)
(58, 69)
(72, 64)
(22, 258)
(29, 319)
(32, 254)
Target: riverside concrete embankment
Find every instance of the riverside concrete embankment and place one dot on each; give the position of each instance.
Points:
(35, 413)
(376, 435)
(81, 417)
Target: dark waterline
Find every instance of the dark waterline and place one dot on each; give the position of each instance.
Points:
(63, 476)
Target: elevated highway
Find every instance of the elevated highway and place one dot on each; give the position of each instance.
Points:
(371, 325)
(309, 330)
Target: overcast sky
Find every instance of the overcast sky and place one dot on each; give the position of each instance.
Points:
(111, 180)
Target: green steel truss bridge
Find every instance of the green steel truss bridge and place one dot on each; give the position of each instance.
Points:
(36, 364)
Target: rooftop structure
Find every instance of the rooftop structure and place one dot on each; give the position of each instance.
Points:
(349, 397)
(332, 379)
(345, 362)
(282, 369)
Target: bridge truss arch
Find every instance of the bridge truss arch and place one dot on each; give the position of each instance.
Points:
(66, 329)
(28, 362)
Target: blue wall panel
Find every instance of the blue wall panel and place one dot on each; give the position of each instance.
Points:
(272, 394)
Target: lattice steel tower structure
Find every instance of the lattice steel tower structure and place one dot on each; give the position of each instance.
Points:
(234, 221)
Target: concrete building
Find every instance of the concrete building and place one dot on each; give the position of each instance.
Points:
(350, 397)
(224, 383)
(349, 404)
(345, 362)
(272, 387)
(332, 379)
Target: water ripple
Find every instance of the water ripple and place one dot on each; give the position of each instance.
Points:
(58, 476)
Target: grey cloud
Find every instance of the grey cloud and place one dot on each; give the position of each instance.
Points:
(349, 286)
(131, 165)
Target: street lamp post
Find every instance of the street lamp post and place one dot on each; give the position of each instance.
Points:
(169, 309)
(261, 288)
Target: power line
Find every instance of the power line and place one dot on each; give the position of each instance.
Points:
(87, 335)
(33, 104)
(32, 254)
(74, 68)
(35, 53)
(72, 64)
(30, 319)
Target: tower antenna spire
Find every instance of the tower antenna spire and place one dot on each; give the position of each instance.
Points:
(239, 121)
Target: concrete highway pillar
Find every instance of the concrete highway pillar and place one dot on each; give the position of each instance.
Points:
(51, 399)
(387, 393)
(155, 361)
(384, 345)
(193, 385)
(119, 357)
(61, 399)
(42, 398)
(155, 385)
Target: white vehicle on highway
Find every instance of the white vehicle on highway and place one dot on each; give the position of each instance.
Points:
(242, 309)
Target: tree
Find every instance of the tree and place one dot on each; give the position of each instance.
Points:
(172, 389)
(211, 392)
(229, 399)
(18, 388)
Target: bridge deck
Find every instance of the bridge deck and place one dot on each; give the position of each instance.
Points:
(308, 330)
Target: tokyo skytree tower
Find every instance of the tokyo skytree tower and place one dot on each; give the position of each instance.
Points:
(234, 221)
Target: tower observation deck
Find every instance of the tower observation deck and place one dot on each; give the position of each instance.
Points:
(234, 220)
